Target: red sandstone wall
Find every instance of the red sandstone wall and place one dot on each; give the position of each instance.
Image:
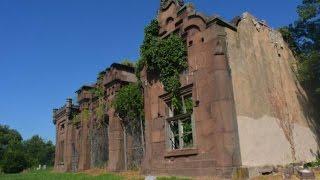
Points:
(217, 147)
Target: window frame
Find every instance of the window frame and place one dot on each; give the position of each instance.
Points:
(185, 93)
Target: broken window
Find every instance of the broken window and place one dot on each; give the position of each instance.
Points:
(180, 125)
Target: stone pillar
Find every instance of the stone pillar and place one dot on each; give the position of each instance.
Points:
(116, 151)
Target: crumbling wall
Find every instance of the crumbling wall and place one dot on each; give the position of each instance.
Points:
(99, 146)
(134, 146)
(273, 126)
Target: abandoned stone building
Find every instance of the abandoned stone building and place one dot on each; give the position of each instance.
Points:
(87, 142)
(248, 109)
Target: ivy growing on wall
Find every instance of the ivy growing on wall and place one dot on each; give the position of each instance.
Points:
(166, 57)
(127, 62)
(98, 92)
(84, 115)
(128, 103)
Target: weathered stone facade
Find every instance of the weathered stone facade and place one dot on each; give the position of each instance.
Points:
(89, 142)
(64, 140)
(248, 109)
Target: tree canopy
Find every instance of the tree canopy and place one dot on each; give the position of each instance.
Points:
(129, 102)
(17, 155)
(303, 37)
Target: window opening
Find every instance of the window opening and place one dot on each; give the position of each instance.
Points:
(180, 128)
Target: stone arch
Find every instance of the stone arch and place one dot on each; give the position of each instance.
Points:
(198, 16)
(192, 29)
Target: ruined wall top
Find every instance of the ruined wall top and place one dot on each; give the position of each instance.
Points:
(164, 4)
(64, 111)
(119, 72)
(176, 17)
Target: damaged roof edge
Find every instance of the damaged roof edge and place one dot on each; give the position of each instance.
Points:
(85, 87)
(122, 67)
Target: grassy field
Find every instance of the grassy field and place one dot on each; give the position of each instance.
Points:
(98, 174)
(90, 175)
(48, 175)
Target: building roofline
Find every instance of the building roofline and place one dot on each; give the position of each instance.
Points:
(84, 87)
(121, 67)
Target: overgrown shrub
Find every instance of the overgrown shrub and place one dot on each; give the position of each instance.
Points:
(39, 152)
(18, 155)
(15, 160)
(128, 102)
(165, 57)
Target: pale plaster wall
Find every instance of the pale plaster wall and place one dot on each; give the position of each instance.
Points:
(263, 142)
(274, 128)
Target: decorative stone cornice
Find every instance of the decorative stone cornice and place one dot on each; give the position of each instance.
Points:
(164, 4)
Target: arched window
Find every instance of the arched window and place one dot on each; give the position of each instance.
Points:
(169, 20)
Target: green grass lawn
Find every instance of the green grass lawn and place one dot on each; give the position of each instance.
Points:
(48, 175)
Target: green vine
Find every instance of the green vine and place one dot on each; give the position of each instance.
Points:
(167, 57)
(127, 62)
(189, 105)
(84, 116)
(128, 103)
(99, 92)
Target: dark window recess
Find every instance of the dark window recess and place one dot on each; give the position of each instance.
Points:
(202, 39)
(62, 127)
(169, 20)
(190, 43)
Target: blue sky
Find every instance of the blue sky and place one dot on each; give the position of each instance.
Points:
(49, 48)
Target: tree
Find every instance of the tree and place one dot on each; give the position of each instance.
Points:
(303, 37)
(14, 159)
(17, 155)
(7, 136)
(38, 151)
(50, 153)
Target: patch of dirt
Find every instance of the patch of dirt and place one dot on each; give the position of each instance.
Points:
(271, 177)
(132, 175)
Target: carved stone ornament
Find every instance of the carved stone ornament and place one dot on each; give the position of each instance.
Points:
(165, 3)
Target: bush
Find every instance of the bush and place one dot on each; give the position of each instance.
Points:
(165, 57)
(39, 152)
(14, 159)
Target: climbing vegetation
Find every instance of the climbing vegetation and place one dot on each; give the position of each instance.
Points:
(127, 62)
(84, 115)
(128, 103)
(98, 92)
(166, 57)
